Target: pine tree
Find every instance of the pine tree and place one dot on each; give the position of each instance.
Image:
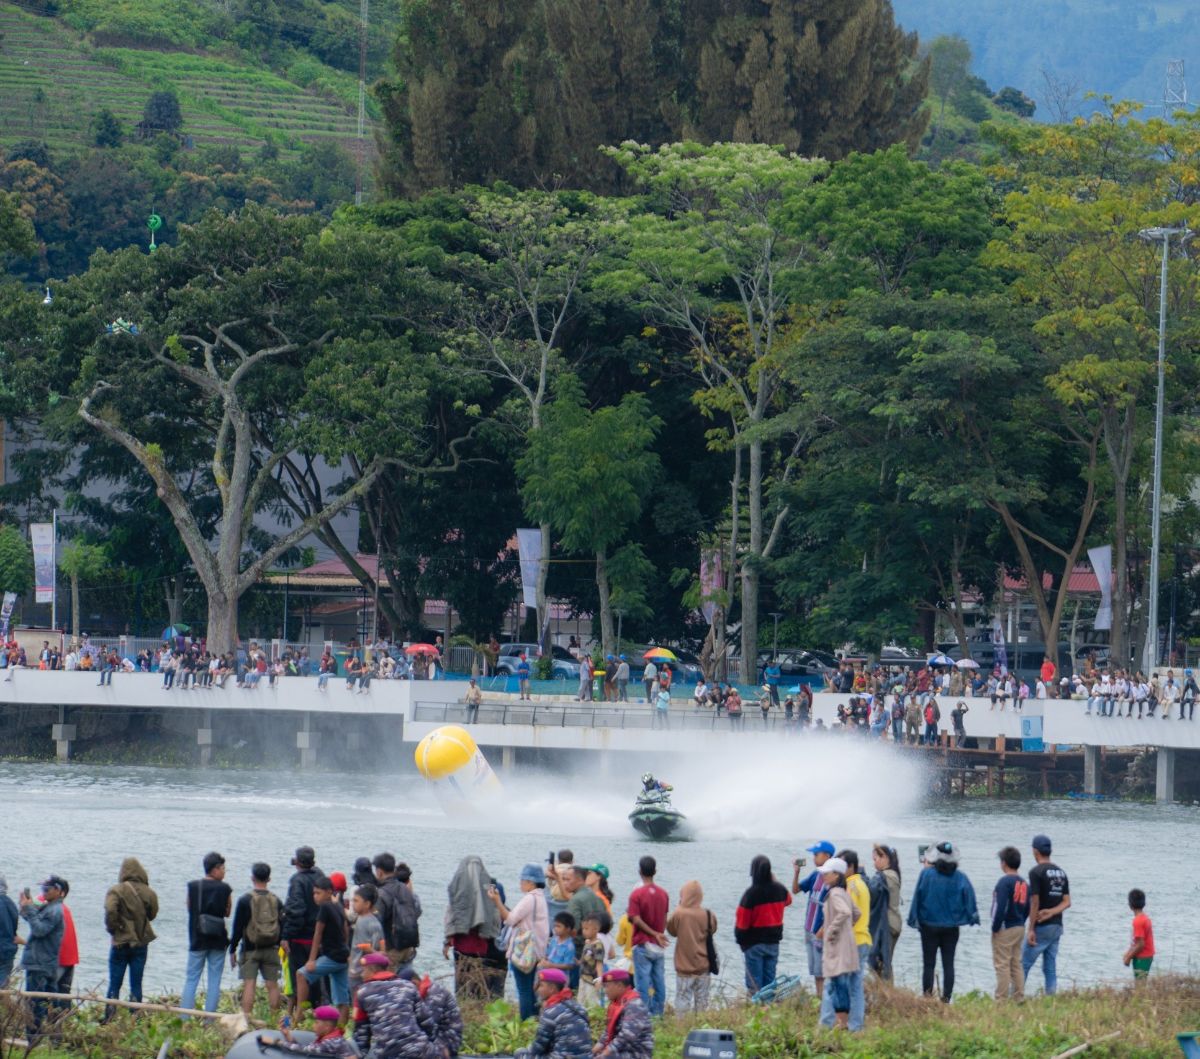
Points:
(820, 79)
(526, 91)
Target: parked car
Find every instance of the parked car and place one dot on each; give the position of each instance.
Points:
(563, 666)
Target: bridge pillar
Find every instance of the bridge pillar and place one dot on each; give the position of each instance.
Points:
(63, 735)
(508, 758)
(1164, 783)
(204, 738)
(1091, 770)
(306, 741)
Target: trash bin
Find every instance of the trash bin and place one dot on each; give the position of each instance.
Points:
(1189, 1044)
(710, 1044)
(598, 685)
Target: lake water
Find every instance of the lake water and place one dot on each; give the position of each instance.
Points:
(80, 821)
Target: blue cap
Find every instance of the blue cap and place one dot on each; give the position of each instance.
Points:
(533, 873)
(1042, 844)
(823, 847)
(624, 659)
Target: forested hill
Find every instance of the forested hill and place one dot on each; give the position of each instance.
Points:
(244, 72)
(1114, 47)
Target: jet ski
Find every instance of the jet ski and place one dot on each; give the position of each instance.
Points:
(655, 817)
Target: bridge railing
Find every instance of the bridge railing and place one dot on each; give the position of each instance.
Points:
(598, 715)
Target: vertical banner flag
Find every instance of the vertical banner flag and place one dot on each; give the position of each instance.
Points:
(42, 536)
(529, 548)
(1101, 559)
(6, 613)
(710, 581)
(998, 648)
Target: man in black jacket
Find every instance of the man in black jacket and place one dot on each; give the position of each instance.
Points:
(398, 909)
(300, 911)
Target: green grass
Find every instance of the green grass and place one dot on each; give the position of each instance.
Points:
(1144, 1021)
(53, 81)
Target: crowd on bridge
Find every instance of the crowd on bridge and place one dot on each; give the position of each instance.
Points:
(342, 950)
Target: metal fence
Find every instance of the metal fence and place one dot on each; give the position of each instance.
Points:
(598, 715)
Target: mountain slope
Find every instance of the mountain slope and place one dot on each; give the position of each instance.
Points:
(53, 80)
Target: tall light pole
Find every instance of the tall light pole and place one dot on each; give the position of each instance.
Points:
(775, 649)
(1158, 235)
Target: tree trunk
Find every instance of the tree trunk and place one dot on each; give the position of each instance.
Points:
(173, 591)
(222, 632)
(1118, 642)
(543, 614)
(750, 568)
(75, 607)
(607, 635)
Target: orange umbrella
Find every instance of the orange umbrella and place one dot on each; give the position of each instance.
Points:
(421, 649)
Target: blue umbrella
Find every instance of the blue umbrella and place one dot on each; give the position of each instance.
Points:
(940, 660)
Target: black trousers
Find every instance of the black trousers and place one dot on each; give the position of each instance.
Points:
(933, 941)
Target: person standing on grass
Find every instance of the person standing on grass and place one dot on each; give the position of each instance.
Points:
(329, 957)
(943, 902)
(1141, 949)
(758, 929)
(860, 894)
(209, 902)
(840, 953)
(129, 909)
(1010, 907)
(9, 918)
(647, 912)
(691, 924)
(40, 958)
(257, 920)
(813, 885)
(1049, 898)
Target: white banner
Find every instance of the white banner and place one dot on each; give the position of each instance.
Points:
(1101, 559)
(42, 536)
(1000, 652)
(10, 598)
(529, 548)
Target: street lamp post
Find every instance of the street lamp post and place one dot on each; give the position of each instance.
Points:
(775, 648)
(1158, 235)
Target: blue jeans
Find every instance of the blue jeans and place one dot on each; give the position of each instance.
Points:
(831, 999)
(858, 997)
(338, 975)
(525, 998)
(214, 960)
(1048, 937)
(132, 957)
(760, 965)
(650, 973)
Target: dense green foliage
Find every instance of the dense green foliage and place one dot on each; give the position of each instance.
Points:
(1130, 1023)
(528, 92)
(868, 382)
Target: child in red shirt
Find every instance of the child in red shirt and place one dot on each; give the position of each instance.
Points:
(1141, 950)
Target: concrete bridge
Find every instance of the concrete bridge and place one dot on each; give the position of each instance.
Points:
(405, 711)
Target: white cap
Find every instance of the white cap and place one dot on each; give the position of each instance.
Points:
(834, 864)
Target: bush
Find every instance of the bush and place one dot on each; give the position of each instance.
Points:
(106, 129)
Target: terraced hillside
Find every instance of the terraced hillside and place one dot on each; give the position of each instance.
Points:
(52, 82)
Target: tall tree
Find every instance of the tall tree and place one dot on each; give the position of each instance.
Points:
(521, 293)
(1072, 245)
(81, 561)
(820, 79)
(528, 91)
(587, 474)
(256, 337)
(721, 265)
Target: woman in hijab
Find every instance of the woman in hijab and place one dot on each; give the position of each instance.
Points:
(528, 923)
(885, 909)
(471, 927)
(943, 901)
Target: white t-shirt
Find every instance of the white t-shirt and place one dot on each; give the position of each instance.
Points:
(1041, 690)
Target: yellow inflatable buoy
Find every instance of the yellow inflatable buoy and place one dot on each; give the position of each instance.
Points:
(450, 759)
